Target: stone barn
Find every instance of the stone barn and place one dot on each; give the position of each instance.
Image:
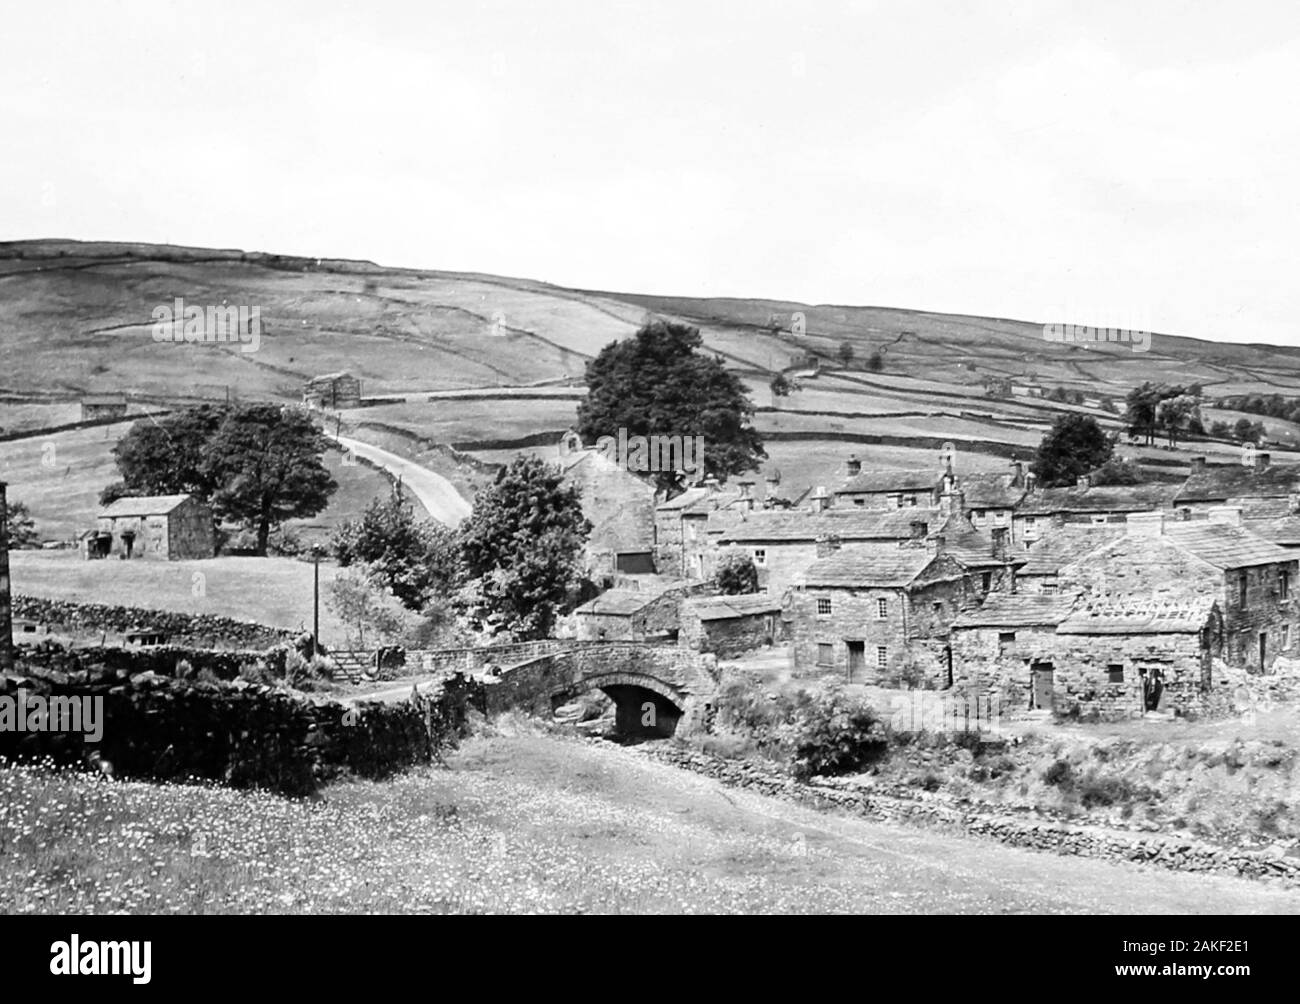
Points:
(95, 406)
(333, 390)
(170, 527)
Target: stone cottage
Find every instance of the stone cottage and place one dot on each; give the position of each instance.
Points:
(97, 406)
(629, 615)
(1042, 509)
(170, 527)
(888, 489)
(730, 625)
(1262, 488)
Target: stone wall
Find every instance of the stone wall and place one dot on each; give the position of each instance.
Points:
(225, 664)
(1018, 828)
(198, 630)
(730, 637)
(240, 734)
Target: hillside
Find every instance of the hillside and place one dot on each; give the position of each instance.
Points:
(488, 365)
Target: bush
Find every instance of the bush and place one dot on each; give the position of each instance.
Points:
(833, 734)
(1060, 773)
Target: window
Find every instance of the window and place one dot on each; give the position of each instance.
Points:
(1243, 588)
(1006, 637)
(882, 657)
(882, 608)
(825, 654)
(987, 579)
(1283, 584)
(1098, 520)
(911, 500)
(823, 606)
(937, 607)
(859, 501)
(760, 556)
(1115, 673)
(1030, 522)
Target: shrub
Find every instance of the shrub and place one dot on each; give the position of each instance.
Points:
(1060, 773)
(832, 734)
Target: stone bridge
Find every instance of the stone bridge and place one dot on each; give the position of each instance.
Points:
(656, 688)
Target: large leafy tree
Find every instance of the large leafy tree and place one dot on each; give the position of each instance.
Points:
(1073, 446)
(167, 456)
(266, 463)
(737, 573)
(21, 528)
(520, 549)
(658, 382)
(410, 557)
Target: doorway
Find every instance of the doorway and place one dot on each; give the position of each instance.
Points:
(1263, 646)
(857, 660)
(1042, 686)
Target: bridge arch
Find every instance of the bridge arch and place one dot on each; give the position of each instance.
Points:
(643, 705)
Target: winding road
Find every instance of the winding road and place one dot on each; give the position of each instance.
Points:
(434, 492)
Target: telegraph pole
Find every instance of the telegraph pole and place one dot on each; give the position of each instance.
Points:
(315, 601)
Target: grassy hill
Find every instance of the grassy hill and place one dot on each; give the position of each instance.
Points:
(76, 318)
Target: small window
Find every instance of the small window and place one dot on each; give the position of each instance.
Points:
(987, 579)
(882, 608)
(1006, 637)
(1000, 519)
(1099, 520)
(1283, 584)
(760, 556)
(882, 657)
(937, 607)
(859, 501)
(911, 500)
(1243, 588)
(823, 606)
(825, 654)
(1030, 521)
(1115, 673)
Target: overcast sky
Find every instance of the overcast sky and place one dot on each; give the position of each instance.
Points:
(1126, 164)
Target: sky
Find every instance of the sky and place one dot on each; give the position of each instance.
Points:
(1099, 163)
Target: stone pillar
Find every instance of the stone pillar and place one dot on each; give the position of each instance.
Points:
(6, 611)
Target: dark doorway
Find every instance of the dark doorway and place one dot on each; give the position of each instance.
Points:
(1153, 687)
(128, 541)
(1042, 686)
(857, 660)
(1263, 653)
(947, 666)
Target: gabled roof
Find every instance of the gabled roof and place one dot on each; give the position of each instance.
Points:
(1218, 483)
(104, 399)
(1139, 615)
(1018, 610)
(891, 481)
(971, 547)
(885, 565)
(1099, 499)
(1065, 544)
(848, 524)
(618, 602)
(143, 505)
(1284, 531)
(1225, 545)
(990, 491)
(718, 608)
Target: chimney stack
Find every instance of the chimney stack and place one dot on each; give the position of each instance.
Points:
(953, 503)
(919, 529)
(1146, 524)
(854, 465)
(6, 611)
(1083, 481)
(1230, 515)
(1198, 465)
(1261, 461)
(939, 544)
(1017, 473)
(819, 499)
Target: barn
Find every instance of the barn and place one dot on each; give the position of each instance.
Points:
(333, 390)
(170, 527)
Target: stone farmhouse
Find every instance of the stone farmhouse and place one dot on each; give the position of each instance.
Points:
(97, 406)
(333, 390)
(1085, 503)
(888, 489)
(169, 527)
(1262, 490)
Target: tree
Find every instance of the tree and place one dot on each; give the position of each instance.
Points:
(167, 456)
(267, 462)
(21, 530)
(737, 573)
(520, 550)
(1115, 472)
(1073, 446)
(845, 353)
(363, 605)
(876, 361)
(1140, 413)
(1220, 429)
(659, 383)
(779, 385)
(409, 557)
(1174, 414)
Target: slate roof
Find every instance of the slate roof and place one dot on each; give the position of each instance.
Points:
(1284, 531)
(848, 524)
(1225, 545)
(1139, 615)
(891, 481)
(143, 505)
(990, 491)
(1065, 544)
(1103, 498)
(1225, 481)
(890, 566)
(685, 500)
(618, 602)
(1018, 610)
(719, 608)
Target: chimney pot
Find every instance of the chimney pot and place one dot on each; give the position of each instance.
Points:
(854, 465)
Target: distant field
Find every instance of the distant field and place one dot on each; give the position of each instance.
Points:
(274, 591)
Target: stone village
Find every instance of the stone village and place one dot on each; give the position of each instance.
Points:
(1102, 601)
